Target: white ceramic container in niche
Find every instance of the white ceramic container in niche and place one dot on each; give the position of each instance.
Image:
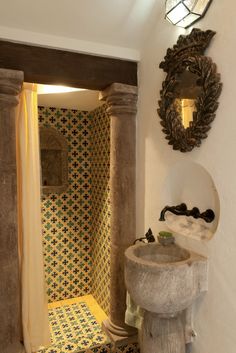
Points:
(190, 183)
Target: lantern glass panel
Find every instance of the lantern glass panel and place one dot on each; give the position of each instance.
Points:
(170, 4)
(200, 6)
(188, 20)
(176, 15)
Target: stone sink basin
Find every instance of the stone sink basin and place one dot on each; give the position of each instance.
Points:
(164, 279)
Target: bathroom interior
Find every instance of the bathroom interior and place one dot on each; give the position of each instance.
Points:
(74, 132)
(180, 180)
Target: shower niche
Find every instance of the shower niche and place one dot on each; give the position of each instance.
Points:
(54, 161)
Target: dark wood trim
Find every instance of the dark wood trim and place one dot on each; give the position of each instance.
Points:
(52, 66)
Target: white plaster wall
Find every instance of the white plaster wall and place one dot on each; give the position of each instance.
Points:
(215, 316)
(116, 23)
(70, 44)
(114, 28)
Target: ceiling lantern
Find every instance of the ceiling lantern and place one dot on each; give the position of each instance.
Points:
(184, 13)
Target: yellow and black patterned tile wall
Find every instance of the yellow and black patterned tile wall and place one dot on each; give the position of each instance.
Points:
(67, 216)
(100, 147)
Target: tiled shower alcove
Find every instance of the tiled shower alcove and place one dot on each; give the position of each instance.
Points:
(76, 232)
(76, 223)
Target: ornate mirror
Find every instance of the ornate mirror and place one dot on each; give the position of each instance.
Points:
(190, 91)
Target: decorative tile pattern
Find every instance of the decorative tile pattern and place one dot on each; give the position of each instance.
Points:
(74, 329)
(67, 216)
(100, 200)
(72, 321)
(101, 349)
(129, 348)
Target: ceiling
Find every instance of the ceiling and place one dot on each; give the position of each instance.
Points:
(81, 100)
(124, 23)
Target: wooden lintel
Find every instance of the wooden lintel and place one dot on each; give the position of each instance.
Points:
(52, 66)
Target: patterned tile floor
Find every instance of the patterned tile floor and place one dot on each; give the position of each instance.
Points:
(76, 327)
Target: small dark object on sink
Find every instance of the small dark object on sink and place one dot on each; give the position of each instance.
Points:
(148, 236)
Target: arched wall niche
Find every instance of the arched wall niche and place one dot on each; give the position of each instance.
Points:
(54, 161)
(190, 183)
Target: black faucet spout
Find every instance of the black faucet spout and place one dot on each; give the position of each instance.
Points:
(177, 210)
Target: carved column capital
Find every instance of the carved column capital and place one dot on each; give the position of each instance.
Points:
(121, 99)
(10, 86)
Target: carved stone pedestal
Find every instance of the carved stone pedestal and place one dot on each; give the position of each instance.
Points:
(162, 335)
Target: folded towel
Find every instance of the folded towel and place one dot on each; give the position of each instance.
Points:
(133, 314)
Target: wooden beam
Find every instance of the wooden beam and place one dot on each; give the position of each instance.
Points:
(52, 66)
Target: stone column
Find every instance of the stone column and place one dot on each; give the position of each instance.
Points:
(10, 327)
(121, 100)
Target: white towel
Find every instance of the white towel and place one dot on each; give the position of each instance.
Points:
(133, 314)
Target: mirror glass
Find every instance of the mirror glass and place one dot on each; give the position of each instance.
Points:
(187, 89)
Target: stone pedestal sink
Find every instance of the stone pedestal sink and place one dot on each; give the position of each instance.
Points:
(164, 281)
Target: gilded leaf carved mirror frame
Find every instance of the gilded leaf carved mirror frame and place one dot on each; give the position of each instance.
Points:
(186, 62)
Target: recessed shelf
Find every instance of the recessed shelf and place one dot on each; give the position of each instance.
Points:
(54, 165)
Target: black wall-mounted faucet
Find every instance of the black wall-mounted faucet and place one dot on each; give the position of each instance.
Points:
(181, 210)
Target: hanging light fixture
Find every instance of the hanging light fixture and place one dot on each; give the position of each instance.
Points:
(184, 13)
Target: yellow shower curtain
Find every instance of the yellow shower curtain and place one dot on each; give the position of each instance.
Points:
(34, 301)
